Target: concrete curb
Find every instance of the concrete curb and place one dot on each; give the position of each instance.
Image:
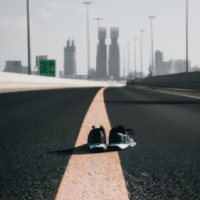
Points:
(13, 82)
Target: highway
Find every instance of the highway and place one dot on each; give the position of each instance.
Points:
(38, 128)
(165, 162)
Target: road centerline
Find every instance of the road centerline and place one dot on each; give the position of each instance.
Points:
(93, 176)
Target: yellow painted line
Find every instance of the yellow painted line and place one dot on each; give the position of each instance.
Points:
(93, 175)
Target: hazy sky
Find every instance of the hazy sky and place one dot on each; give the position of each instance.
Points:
(53, 21)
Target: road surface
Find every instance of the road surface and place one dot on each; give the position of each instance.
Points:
(36, 129)
(39, 127)
(165, 162)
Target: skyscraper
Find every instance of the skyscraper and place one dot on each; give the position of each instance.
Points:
(113, 61)
(13, 66)
(101, 62)
(159, 63)
(69, 58)
(168, 67)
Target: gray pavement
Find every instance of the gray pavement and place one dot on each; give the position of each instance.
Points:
(165, 162)
(38, 129)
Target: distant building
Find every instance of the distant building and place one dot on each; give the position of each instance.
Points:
(175, 67)
(159, 63)
(92, 73)
(61, 74)
(114, 57)
(180, 66)
(13, 66)
(168, 67)
(75, 76)
(24, 70)
(101, 60)
(38, 58)
(69, 59)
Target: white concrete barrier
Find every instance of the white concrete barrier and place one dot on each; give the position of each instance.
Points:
(14, 77)
(11, 82)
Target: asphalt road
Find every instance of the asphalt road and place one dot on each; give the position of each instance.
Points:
(36, 130)
(165, 163)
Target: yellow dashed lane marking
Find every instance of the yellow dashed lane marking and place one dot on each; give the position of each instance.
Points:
(89, 175)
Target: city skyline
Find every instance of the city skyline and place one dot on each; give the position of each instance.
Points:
(101, 58)
(172, 66)
(114, 54)
(69, 67)
(52, 22)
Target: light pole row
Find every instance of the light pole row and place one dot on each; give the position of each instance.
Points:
(142, 30)
(152, 68)
(152, 65)
(88, 41)
(134, 39)
(135, 55)
(186, 35)
(87, 3)
(98, 19)
(28, 38)
(124, 62)
(128, 43)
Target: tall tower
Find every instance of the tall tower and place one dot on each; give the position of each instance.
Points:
(101, 62)
(158, 63)
(113, 61)
(69, 58)
(13, 66)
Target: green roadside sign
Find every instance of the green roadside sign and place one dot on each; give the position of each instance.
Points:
(48, 68)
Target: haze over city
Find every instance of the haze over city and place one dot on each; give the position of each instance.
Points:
(54, 21)
(105, 111)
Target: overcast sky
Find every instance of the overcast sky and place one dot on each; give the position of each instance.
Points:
(53, 21)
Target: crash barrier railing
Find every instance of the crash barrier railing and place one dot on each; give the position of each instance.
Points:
(182, 80)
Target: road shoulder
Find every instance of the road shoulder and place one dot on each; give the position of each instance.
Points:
(173, 91)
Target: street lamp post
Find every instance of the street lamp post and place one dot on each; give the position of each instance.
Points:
(28, 39)
(88, 38)
(151, 18)
(124, 63)
(98, 19)
(128, 43)
(186, 35)
(135, 55)
(142, 30)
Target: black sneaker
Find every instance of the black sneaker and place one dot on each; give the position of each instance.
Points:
(97, 138)
(119, 136)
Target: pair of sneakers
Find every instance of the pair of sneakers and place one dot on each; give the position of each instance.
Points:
(119, 137)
